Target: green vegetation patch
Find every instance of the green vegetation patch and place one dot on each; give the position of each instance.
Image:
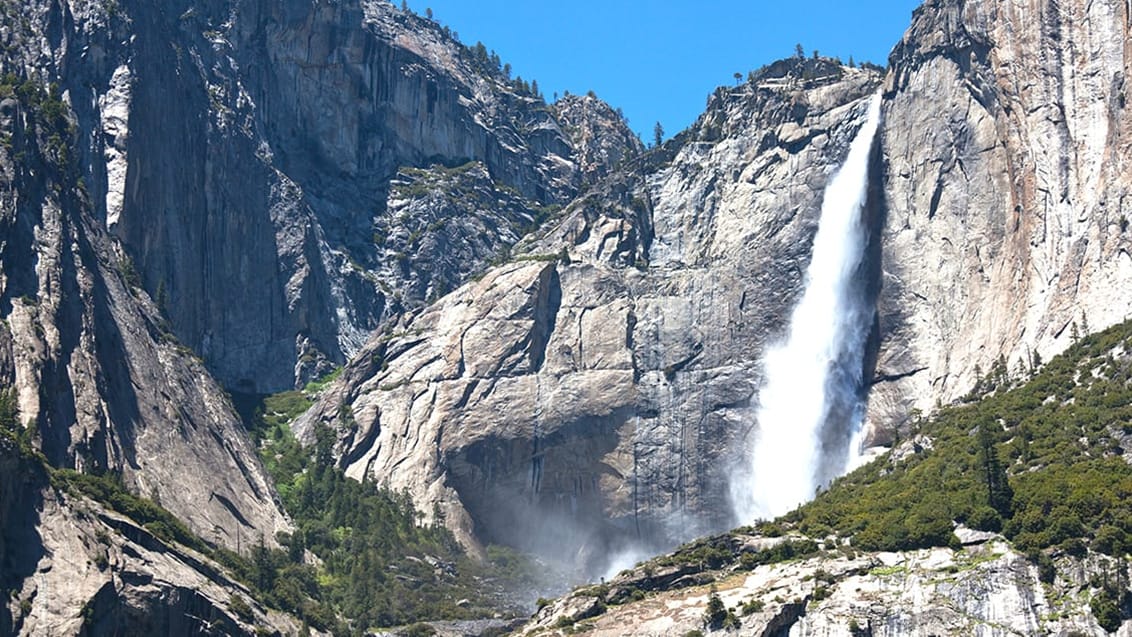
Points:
(109, 490)
(1038, 458)
(379, 565)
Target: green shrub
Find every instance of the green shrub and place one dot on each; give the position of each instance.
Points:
(1106, 609)
(1047, 570)
(240, 607)
(753, 606)
(715, 612)
(984, 518)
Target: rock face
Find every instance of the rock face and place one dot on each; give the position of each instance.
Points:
(281, 180)
(70, 566)
(983, 589)
(600, 135)
(174, 174)
(442, 225)
(100, 381)
(1006, 177)
(245, 152)
(254, 171)
(600, 389)
(590, 395)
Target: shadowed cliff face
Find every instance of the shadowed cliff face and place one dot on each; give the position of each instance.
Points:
(258, 183)
(100, 380)
(590, 397)
(1007, 142)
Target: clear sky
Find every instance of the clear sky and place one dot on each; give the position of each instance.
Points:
(658, 60)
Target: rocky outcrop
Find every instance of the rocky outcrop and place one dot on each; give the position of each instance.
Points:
(592, 393)
(600, 135)
(983, 589)
(443, 225)
(1007, 142)
(74, 567)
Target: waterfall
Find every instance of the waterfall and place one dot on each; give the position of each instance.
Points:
(811, 405)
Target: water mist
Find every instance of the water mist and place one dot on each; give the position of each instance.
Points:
(811, 405)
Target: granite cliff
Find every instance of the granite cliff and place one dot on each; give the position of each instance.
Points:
(101, 383)
(587, 398)
(552, 339)
(178, 201)
(624, 346)
(282, 203)
(1006, 182)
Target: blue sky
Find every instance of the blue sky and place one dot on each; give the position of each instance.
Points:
(659, 60)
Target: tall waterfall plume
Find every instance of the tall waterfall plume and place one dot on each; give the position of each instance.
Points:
(811, 405)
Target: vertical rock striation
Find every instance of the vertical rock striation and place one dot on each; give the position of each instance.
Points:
(266, 143)
(1006, 176)
(101, 382)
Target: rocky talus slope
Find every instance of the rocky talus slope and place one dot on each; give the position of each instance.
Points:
(592, 392)
(984, 588)
(1007, 142)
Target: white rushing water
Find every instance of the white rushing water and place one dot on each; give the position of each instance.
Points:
(811, 405)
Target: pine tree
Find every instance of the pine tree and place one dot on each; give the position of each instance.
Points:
(715, 612)
(657, 134)
(999, 494)
(9, 410)
(480, 53)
